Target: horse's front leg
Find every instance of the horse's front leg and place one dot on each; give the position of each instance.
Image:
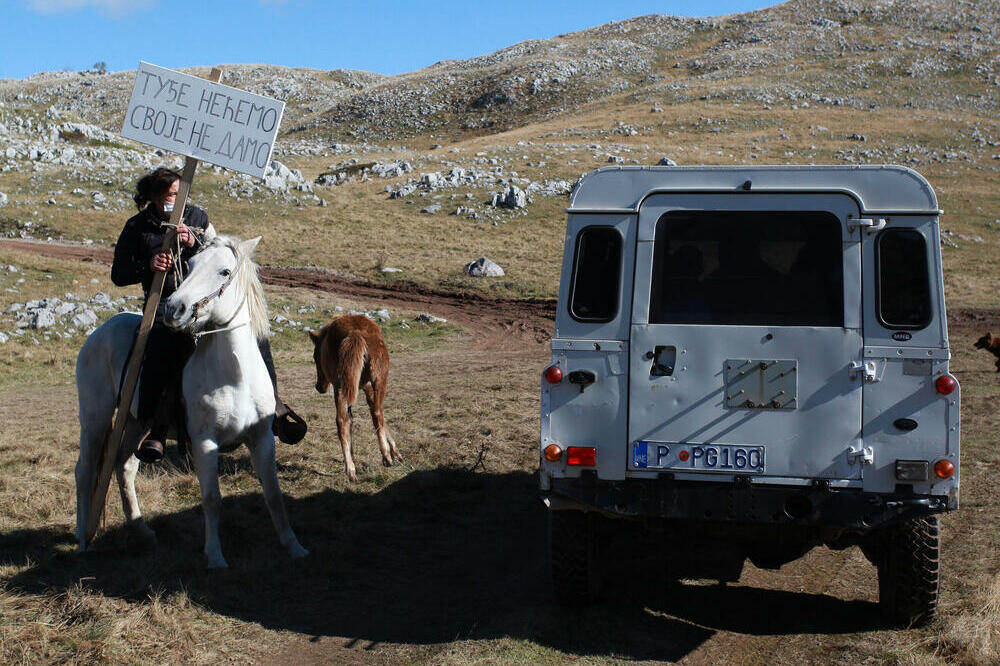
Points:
(261, 447)
(206, 464)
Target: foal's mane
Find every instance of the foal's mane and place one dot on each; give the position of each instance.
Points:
(246, 278)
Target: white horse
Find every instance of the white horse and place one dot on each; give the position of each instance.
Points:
(228, 393)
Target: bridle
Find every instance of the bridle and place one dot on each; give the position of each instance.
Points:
(216, 294)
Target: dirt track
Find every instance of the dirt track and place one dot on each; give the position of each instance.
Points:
(494, 323)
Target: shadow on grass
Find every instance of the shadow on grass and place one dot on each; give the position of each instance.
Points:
(438, 556)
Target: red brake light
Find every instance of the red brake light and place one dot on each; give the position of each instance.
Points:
(583, 456)
(553, 374)
(553, 453)
(945, 384)
(944, 468)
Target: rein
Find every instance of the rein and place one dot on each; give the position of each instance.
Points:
(219, 330)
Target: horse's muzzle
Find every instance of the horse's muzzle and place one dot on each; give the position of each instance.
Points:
(174, 314)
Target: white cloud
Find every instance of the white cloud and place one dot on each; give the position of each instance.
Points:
(112, 7)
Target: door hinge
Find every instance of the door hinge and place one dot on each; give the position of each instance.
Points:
(868, 369)
(870, 225)
(859, 453)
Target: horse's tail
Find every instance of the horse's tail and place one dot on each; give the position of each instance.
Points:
(350, 363)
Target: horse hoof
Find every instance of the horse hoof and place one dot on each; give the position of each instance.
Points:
(142, 531)
(218, 562)
(386, 462)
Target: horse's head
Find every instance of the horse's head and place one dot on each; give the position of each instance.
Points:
(322, 381)
(222, 282)
(985, 341)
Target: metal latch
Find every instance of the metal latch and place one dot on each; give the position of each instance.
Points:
(860, 453)
(870, 225)
(868, 369)
(582, 378)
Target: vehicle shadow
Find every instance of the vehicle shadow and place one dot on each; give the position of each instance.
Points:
(438, 556)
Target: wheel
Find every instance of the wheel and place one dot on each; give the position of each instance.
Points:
(573, 557)
(909, 568)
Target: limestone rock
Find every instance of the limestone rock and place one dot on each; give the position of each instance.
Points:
(483, 267)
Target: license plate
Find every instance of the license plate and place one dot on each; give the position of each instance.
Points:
(700, 457)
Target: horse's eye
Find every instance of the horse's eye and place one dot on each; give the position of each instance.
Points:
(225, 272)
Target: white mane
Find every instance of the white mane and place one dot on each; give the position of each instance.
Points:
(247, 279)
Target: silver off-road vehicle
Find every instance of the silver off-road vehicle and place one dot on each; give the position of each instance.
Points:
(749, 362)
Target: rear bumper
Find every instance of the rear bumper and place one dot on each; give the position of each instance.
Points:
(742, 503)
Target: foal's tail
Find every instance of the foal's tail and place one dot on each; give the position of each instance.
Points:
(350, 363)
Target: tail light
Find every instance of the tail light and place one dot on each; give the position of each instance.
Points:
(944, 468)
(553, 453)
(553, 374)
(945, 384)
(582, 456)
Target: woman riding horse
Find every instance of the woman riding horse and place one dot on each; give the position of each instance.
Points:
(137, 257)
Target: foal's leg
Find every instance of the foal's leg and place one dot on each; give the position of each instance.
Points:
(206, 465)
(126, 482)
(344, 432)
(262, 456)
(372, 395)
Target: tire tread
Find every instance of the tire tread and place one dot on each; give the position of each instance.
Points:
(909, 571)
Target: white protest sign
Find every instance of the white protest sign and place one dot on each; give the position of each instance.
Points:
(201, 119)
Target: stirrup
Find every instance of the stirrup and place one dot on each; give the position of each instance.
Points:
(290, 428)
(150, 450)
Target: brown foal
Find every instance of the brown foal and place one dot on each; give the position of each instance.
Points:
(351, 354)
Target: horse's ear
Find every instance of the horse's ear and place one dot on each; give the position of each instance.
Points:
(314, 336)
(247, 247)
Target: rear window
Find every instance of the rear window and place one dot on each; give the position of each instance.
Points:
(904, 294)
(596, 275)
(780, 268)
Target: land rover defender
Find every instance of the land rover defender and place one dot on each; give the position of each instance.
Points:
(749, 362)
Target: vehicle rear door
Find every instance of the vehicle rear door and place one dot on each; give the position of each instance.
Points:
(746, 352)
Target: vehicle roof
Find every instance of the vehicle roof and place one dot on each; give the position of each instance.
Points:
(879, 189)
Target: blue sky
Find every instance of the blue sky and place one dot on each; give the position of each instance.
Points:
(388, 37)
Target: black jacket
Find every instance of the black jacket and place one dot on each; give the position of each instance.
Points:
(142, 238)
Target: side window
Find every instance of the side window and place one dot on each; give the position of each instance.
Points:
(596, 275)
(904, 293)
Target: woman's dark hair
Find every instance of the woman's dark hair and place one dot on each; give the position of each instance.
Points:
(153, 185)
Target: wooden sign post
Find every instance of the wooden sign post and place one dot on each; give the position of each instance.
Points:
(200, 119)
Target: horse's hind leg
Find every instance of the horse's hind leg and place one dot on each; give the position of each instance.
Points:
(92, 440)
(262, 456)
(375, 395)
(344, 432)
(126, 483)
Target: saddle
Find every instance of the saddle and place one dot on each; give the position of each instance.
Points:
(288, 426)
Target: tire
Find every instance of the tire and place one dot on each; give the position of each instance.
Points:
(576, 578)
(909, 568)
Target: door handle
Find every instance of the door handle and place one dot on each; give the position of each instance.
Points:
(663, 357)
